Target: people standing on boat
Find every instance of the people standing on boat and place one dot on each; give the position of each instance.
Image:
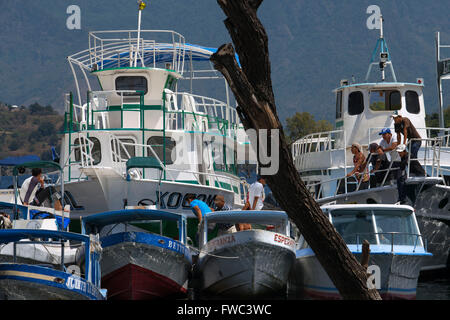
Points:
(30, 194)
(404, 126)
(388, 143)
(380, 163)
(256, 195)
(400, 172)
(220, 205)
(359, 162)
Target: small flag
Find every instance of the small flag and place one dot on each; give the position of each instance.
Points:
(142, 5)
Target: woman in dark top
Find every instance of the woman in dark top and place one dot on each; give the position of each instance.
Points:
(379, 163)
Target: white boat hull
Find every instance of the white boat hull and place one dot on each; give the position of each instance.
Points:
(432, 213)
(398, 277)
(246, 264)
(94, 197)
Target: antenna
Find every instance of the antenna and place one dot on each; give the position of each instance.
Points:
(384, 56)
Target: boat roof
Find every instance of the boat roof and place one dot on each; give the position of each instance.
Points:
(13, 235)
(13, 161)
(155, 53)
(380, 85)
(247, 216)
(100, 220)
(355, 207)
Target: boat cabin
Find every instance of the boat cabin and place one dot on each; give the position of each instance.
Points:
(362, 110)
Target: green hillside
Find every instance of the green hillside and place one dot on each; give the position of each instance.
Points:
(31, 130)
(313, 44)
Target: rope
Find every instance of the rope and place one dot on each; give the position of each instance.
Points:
(210, 254)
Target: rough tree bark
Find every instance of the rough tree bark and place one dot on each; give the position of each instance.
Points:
(252, 87)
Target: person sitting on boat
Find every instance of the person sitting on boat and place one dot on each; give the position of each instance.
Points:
(5, 221)
(220, 205)
(388, 143)
(380, 163)
(30, 194)
(404, 126)
(400, 173)
(359, 162)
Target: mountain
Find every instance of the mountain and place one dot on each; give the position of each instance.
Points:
(313, 44)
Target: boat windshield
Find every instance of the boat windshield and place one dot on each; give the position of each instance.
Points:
(402, 223)
(392, 227)
(354, 226)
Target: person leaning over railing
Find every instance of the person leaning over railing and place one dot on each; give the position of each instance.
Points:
(404, 126)
(401, 175)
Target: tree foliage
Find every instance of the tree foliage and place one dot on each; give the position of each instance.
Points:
(303, 123)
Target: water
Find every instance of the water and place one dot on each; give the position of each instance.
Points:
(436, 289)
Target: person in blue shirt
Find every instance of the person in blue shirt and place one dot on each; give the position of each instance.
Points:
(199, 208)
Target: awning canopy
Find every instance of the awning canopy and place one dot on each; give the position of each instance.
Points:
(13, 161)
(160, 53)
(247, 216)
(36, 164)
(94, 223)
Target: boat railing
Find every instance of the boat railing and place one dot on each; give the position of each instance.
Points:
(317, 142)
(168, 173)
(92, 248)
(116, 48)
(189, 112)
(125, 109)
(389, 238)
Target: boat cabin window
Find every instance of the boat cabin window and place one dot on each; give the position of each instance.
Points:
(132, 83)
(95, 153)
(354, 227)
(355, 103)
(339, 105)
(126, 151)
(399, 227)
(158, 144)
(385, 100)
(412, 102)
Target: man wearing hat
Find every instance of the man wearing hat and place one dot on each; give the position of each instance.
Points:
(404, 126)
(388, 143)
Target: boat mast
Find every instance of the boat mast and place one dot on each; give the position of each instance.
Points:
(385, 57)
(141, 7)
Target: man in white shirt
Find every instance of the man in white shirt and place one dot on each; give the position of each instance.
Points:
(256, 194)
(389, 143)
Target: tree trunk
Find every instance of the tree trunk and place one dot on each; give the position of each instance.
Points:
(252, 87)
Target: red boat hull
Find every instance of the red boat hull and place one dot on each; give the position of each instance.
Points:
(132, 282)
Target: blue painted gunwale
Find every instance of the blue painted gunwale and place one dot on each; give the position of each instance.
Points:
(148, 239)
(86, 288)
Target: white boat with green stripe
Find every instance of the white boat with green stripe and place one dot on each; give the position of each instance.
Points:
(139, 107)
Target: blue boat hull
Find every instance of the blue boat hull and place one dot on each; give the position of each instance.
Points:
(32, 282)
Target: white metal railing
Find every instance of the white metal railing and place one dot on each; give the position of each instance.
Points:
(186, 111)
(119, 165)
(114, 48)
(317, 142)
(433, 164)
